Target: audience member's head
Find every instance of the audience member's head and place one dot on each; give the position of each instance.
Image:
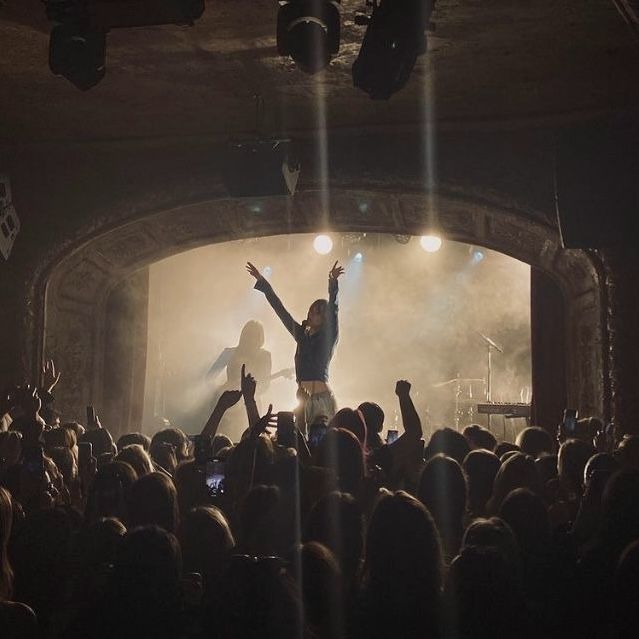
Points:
(341, 451)
(134, 438)
(505, 447)
(402, 568)
(571, 461)
(494, 533)
(481, 467)
(153, 501)
(484, 595)
(448, 442)
(442, 489)
(174, 437)
(516, 472)
(351, 420)
(259, 599)
(535, 441)
(321, 589)
(599, 463)
(627, 452)
(145, 598)
(526, 514)
(137, 458)
(337, 522)
(479, 437)
(206, 541)
(259, 524)
(109, 493)
(374, 420)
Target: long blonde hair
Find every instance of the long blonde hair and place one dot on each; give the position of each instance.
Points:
(6, 519)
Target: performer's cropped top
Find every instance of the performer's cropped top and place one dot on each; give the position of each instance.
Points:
(314, 352)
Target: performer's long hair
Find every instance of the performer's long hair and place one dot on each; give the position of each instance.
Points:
(251, 337)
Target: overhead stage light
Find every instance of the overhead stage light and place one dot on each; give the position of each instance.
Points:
(431, 243)
(77, 47)
(77, 55)
(478, 256)
(309, 32)
(323, 244)
(395, 37)
(258, 167)
(358, 257)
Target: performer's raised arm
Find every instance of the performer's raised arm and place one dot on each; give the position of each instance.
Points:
(332, 310)
(262, 284)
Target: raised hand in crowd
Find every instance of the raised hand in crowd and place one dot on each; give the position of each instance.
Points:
(248, 384)
(227, 400)
(49, 376)
(268, 420)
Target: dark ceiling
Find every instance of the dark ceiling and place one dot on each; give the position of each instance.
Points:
(488, 61)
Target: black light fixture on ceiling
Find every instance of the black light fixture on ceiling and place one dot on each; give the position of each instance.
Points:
(77, 47)
(395, 37)
(309, 32)
(260, 165)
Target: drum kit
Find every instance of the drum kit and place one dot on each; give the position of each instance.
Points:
(465, 403)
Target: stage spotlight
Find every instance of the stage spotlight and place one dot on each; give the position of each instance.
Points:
(358, 257)
(267, 272)
(323, 244)
(395, 37)
(478, 256)
(431, 243)
(77, 47)
(309, 32)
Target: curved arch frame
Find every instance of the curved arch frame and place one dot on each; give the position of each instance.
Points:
(73, 306)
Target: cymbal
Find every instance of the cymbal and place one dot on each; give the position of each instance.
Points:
(460, 380)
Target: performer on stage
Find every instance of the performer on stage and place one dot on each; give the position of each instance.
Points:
(249, 351)
(316, 337)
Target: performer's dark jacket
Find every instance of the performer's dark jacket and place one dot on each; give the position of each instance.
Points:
(314, 352)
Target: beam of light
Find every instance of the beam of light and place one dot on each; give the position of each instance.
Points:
(359, 257)
(323, 244)
(429, 138)
(322, 151)
(431, 243)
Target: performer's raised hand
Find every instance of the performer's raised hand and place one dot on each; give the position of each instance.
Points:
(254, 271)
(336, 271)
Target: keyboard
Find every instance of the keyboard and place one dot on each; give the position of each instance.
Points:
(504, 408)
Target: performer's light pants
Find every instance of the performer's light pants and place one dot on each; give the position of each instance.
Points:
(320, 405)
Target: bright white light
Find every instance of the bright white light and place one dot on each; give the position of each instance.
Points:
(323, 244)
(358, 257)
(431, 243)
(478, 256)
(267, 271)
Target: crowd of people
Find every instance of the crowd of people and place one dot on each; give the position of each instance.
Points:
(319, 530)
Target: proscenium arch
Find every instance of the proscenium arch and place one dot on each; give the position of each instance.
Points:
(73, 311)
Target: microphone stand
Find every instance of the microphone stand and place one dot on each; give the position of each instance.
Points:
(490, 346)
